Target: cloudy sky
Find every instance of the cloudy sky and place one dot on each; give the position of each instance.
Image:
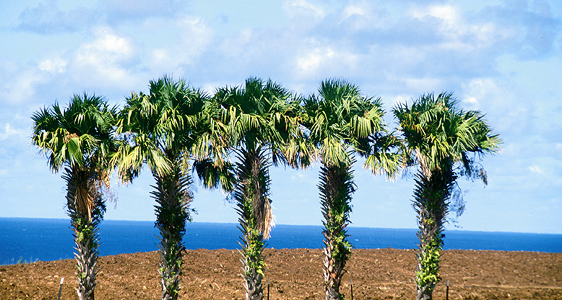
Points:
(501, 57)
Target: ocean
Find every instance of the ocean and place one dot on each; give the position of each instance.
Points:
(29, 240)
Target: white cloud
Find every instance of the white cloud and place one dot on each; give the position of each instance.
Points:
(181, 42)
(323, 61)
(473, 101)
(353, 10)
(459, 33)
(106, 45)
(423, 84)
(120, 10)
(111, 43)
(9, 132)
(53, 66)
(536, 169)
(47, 17)
(312, 61)
(447, 16)
(195, 37)
(104, 60)
(478, 90)
(160, 54)
(488, 34)
(506, 105)
(546, 167)
(240, 45)
(399, 99)
(447, 13)
(303, 8)
(20, 88)
(370, 15)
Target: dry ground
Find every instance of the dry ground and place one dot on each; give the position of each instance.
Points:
(296, 274)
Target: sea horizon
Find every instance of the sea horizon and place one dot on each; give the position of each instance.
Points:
(44, 239)
(351, 225)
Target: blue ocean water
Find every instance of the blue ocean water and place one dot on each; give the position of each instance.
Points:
(51, 239)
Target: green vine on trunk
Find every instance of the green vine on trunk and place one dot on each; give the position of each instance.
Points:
(429, 261)
(173, 199)
(336, 187)
(251, 194)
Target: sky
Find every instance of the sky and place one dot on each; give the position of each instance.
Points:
(503, 58)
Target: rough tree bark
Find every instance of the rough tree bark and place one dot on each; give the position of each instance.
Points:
(172, 212)
(85, 208)
(254, 210)
(336, 187)
(431, 202)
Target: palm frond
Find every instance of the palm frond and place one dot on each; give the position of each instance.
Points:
(438, 130)
(386, 155)
(213, 175)
(339, 117)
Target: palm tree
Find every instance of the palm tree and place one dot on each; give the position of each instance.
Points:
(440, 138)
(169, 130)
(340, 121)
(260, 118)
(80, 140)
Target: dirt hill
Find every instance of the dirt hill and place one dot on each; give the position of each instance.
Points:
(296, 274)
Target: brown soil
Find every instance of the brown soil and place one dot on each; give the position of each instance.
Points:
(296, 274)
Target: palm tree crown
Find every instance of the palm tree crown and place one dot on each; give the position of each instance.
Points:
(81, 136)
(339, 118)
(259, 114)
(168, 122)
(437, 132)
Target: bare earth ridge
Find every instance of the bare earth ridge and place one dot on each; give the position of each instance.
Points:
(296, 274)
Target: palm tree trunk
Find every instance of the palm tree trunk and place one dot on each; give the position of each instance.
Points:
(85, 208)
(254, 208)
(252, 262)
(431, 201)
(336, 187)
(172, 212)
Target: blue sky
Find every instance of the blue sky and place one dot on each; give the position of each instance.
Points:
(501, 57)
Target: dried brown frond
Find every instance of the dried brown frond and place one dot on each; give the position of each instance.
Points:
(103, 188)
(68, 136)
(84, 202)
(264, 216)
